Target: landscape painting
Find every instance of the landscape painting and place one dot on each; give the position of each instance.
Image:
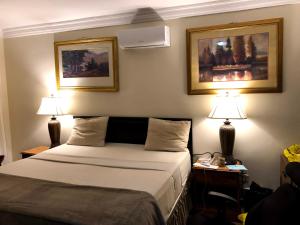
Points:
(234, 58)
(245, 56)
(87, 65)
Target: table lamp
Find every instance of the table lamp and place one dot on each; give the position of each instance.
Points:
(227, 107)
(52, 106)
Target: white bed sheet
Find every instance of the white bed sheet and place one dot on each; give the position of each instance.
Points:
(162, 174)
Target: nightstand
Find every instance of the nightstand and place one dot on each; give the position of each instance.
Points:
(33, 151)
(220, 180)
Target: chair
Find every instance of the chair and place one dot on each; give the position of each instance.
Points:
(282, 207)
(222, 203)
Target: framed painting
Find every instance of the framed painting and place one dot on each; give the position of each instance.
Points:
(243, 56)
(87, 65)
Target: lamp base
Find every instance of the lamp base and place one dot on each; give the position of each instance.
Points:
(1, 159)
(54, 132)
(227, 136)
(229, 160)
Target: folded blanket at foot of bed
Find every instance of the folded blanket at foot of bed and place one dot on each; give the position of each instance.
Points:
(27, 201)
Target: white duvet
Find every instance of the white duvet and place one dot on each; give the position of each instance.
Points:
(129, 166)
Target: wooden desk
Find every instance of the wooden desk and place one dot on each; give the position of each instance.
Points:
(219, 180)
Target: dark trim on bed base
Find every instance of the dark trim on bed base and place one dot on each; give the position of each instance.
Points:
(133, 130)
(180, 213)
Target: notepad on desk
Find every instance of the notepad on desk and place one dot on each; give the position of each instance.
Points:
(237, 167)
(205, 165)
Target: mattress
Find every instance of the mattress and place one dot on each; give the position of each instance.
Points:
(129, 166)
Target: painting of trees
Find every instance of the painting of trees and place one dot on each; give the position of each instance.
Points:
(85, 63)
(250, 50)
(233, 58)
(239, 50)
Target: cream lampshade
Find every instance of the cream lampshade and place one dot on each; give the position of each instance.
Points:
(227, 107)
(52, 106)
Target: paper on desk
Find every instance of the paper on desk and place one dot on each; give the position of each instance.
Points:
(205, 165)
(237, 167)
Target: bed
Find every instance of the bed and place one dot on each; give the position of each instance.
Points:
(121, 166)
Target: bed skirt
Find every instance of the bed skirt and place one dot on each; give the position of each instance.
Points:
(180, 213)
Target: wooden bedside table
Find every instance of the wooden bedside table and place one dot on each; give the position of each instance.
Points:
(33, 151)
(220, 180)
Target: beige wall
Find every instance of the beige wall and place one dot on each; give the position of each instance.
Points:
(5, 138)
(29, 67)
(153, 83)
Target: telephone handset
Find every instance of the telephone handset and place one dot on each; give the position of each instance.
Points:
(214, 159)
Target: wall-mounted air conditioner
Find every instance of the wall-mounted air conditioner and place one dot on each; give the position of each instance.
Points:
(146, 37)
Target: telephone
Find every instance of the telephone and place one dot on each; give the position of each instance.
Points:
(215, 159)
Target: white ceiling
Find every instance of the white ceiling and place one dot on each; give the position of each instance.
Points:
(16, 13)
(31, 17)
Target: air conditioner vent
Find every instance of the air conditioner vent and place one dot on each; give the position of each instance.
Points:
(146, 37)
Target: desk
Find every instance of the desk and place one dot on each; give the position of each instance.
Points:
(219, 180)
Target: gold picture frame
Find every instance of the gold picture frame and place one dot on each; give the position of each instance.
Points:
(243, 56)
(87, 65)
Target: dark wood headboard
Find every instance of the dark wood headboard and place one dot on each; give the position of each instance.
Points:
(133, 130)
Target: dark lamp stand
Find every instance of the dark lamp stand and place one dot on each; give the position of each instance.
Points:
(227, 107)
(52, 106)
(227, 135)
(1, 159)
(54, 132)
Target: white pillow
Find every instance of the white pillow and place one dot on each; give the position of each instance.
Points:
(167, 135)
(89, 132)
